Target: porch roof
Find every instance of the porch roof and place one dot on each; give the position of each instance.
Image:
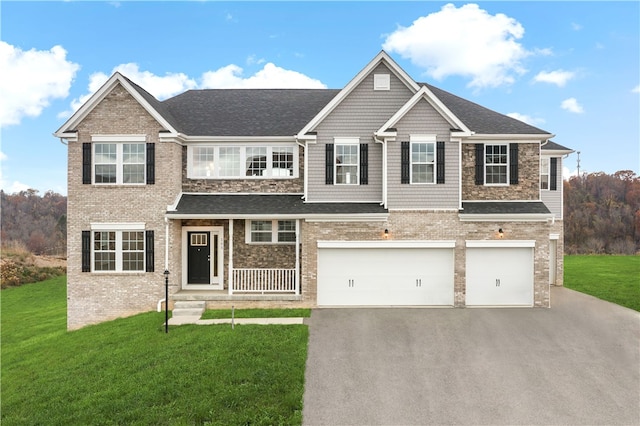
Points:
(268, 205)
(504, 207)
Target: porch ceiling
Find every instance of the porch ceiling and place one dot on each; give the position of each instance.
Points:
(262, 205)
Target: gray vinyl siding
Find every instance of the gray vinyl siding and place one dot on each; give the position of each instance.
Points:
(553, 199)
(423, 119)
(360, 114)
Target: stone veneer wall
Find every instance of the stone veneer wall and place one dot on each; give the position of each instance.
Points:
(528, 187)
(293, 185)
(421, 225)
(97, 297)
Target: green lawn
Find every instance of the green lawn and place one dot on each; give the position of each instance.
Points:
(607, 277)
(130, 372)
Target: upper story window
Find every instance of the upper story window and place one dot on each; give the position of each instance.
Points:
(544, 173)
(496, 164)
(347, 163)
(423, 159)
(119, 163)
(271, 231)
(118, 160)
(246, 162)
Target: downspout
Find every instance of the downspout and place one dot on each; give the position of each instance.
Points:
(305, 182)
(383, 142)
(166, 256)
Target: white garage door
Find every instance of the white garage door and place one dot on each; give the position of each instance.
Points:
(499, 276)
(385, 276)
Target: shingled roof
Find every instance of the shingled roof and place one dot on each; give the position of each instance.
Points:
(246, 112)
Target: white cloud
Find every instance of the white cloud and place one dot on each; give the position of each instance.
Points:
(465, 41)
(575, 26)
(253, 60)
(3, 157)
(526, 118)
(269, 77)
(557, 77)
(161, 87)
(572, 105)
(567, 173)
(636, 89)
(230, 76)
(31, 80)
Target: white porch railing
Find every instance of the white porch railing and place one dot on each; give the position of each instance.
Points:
(264, 281)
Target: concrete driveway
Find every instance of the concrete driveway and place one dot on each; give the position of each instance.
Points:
(576, 363)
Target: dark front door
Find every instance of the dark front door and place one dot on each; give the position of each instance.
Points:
(199, 258)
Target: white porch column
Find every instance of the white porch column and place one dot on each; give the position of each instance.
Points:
(230, 256)
(298, 256)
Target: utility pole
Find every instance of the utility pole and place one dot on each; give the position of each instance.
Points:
(578, 163)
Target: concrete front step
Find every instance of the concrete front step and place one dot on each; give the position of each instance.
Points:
(189, 304)
(186, 312)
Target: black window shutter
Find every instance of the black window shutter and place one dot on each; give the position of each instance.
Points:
(151, 163)
(328, 177)
(405, 176)
(553, 174)
(479, 164)
(86, 163)
(364, 164)
(149, 252)
(513, 163)
(86, 251)
(439, 162)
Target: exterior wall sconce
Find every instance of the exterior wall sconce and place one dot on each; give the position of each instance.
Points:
(386, 234)
(500, 233)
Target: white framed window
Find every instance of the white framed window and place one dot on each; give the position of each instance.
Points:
(242, 162)
(118, 250)
(423, 158)
(119, 163)
(270, 231)
(347, 161)
(496, 164)
(381, 82)
(544, 173)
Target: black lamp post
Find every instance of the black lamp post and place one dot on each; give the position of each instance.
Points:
(166, 300)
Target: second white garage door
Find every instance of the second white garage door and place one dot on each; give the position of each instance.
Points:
(384, 276)
(499, 276)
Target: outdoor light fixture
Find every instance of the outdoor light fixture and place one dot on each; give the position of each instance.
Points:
(386, 233)
(166, 300)
(500, 233)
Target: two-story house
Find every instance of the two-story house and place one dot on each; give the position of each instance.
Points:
(388, 192)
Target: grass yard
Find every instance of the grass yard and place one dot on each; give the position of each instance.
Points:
(612, 278)
(130, 372)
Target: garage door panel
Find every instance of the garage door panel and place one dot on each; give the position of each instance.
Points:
(499, 276)
(385, 277)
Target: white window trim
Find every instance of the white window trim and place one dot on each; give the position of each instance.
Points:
(547, 174)
(243, 157)
(422, 139)
(507, 165)
(382, 82)
(342, 142)
(274, 232)
(118, 228)
(119, 142)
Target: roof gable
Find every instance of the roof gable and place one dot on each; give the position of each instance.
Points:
(146, 100)
(425, 94)
(381, 57)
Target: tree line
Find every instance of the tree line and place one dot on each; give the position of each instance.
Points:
(601, 215)
(36, 222)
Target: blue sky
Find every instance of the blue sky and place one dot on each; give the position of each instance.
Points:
(571, 68)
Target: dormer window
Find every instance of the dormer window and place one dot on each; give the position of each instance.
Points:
(381, 82)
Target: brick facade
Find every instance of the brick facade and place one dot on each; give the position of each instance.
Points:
(528, 187)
